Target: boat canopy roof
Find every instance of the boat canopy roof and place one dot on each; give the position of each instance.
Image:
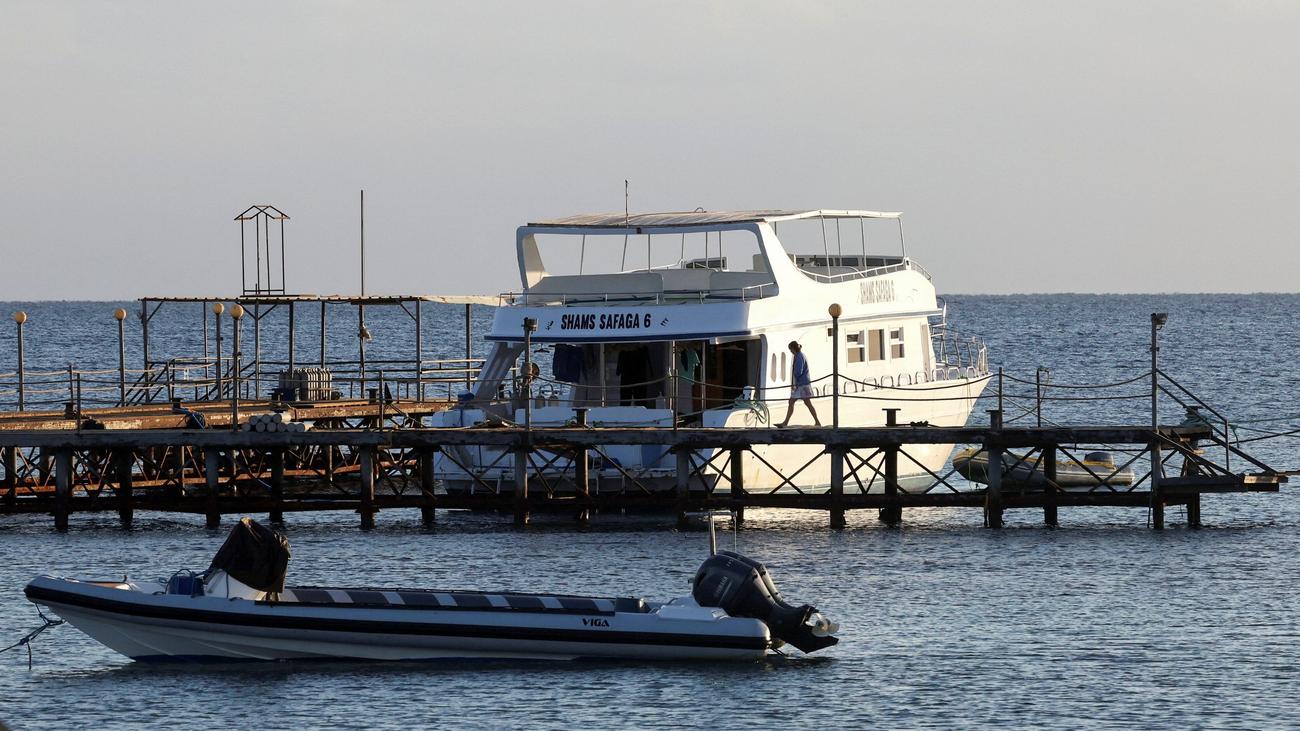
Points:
(700, 218)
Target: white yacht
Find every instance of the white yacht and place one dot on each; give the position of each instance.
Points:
(662, 318)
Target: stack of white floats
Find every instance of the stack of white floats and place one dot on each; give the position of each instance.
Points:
(276, 422)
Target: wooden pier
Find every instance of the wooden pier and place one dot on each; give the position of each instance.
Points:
(216, 472)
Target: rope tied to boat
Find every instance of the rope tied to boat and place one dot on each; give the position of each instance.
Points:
(26, 641)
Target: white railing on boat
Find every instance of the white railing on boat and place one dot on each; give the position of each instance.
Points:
(867, 273)
(736, 294)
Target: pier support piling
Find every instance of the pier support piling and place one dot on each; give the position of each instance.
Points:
(993, 495)
(277, 486)
(736, 474)
(123, 463)
(682, 485)
(521, 486)
(891, 514)
(62, 487)
(9, 455)
(837, 517)
(212, 475)
(1194, 511)
(1049, 490)
(428, 510)
(366, 461)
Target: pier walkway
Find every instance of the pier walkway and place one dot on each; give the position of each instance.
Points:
(567, 470)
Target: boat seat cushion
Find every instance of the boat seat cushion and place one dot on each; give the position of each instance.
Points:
(463, 600)
(600, 284)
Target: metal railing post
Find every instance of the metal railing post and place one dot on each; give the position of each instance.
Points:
(530, 325)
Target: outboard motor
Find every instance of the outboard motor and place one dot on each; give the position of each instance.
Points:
(741, 587)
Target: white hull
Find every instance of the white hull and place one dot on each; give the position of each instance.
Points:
(145, 626)
(793, 468)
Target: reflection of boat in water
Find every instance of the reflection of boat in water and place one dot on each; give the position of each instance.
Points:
(684, 319)
(1021, 471)
(240, 609)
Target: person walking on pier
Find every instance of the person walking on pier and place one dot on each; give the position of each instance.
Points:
(800, 385)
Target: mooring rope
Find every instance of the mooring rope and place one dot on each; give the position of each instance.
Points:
(27, 639)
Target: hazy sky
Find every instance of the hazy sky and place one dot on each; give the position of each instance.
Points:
(1033, 146)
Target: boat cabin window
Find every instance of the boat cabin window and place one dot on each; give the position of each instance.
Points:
(613, 374)
(857, 347)
(896, 342)
(710, 375)
(876, 345)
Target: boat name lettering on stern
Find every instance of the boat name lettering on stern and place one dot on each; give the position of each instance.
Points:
(594, 622)
(878, 291)
(613, 321)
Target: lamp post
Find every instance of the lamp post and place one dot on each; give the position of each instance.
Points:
(236, 313)
(217, 309)
(835, 311)
(20, 317)
(120, 315)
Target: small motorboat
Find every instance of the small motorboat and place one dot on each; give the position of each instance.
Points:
(240, 609)
(1024, 472)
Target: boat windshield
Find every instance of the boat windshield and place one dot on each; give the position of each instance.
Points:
(666, 267)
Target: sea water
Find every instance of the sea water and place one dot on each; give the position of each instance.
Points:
(1101, 623)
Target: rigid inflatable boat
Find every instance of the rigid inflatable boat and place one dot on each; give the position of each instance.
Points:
(1096, 471)
(240, 609)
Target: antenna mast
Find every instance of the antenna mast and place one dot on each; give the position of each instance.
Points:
(363, 242)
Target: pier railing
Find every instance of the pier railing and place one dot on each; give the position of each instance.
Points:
(576, 469)
(209, 379)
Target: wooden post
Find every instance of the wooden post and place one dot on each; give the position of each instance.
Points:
(838, 521)
(521, 486)
(366, 457)
(683, 484)
(1194, 510)
(737, 474)
(1049, 491)
(277, 486)
(212, 474)
(62, 487)
(122, 464)
(10, 458)
(892, 514)
(428, 511)
(993, 497)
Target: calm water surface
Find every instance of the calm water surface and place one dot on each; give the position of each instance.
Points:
(1101, 623)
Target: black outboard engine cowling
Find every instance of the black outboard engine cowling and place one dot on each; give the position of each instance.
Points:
(741, 587)
(255, 555)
